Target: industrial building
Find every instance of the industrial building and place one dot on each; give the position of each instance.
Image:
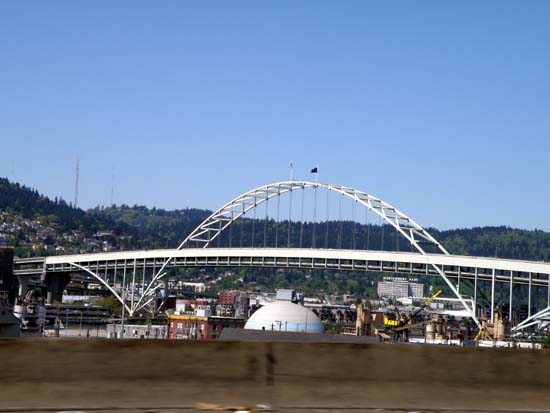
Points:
(141, 331)
(283, 315)
(197, 327)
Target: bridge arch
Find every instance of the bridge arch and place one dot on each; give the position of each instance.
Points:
(121, 299)
(221, 219)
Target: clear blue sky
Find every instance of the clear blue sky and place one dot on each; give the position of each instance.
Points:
(440, 108)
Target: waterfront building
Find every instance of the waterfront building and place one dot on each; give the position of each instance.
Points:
(397, 287)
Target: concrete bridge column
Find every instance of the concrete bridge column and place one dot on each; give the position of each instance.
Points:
(55, 284)
(7, 281)
(23, 285)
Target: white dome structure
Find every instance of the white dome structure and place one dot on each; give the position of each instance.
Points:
(284, 316)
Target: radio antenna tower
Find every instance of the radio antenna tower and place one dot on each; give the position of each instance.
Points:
(76, 183)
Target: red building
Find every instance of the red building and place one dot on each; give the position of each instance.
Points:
(228, 297)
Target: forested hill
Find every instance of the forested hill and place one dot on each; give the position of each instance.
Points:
(152, 227)
(28, 203)
(142, 227)
(34, 222)
(502, 241)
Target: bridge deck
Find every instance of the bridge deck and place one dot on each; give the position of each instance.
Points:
(466, 266)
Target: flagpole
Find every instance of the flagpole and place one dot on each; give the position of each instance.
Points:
(291, 165)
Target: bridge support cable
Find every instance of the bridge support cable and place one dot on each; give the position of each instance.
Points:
(253, 225)
(231, 232)
(148, 293)
(207, 231)
(104, 283)
(302, 217)
(382, 234)
(217, 238)
(265, 223)
(289, 219)
(367, 225)
(314, 236)
(354, 235)
(278, 216)
(242, 229)
(539, 320)
(397, 246)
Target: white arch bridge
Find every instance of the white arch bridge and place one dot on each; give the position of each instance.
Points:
(136, 278)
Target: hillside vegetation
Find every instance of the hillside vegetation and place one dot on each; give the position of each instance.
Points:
(133, 227)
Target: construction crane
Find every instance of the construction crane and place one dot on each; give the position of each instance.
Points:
(399, 323)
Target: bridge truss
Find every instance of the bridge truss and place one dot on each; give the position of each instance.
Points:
(135, 278)
(216, 223)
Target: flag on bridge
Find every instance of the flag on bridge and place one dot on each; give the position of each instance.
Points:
(314, 170)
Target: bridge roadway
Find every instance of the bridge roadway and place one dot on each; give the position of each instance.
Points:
(466, 267)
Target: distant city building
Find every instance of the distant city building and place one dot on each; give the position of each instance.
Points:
(396, 287)
(70, 298)
(228, 297)
(286, 295)
(416, 290)
(152, 331)
(233, 304)
(193, 287)
(225, 310)
(184, 306)
(75, 314)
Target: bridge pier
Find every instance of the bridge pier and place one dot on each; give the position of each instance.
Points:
(23, 281)
(55, 284)
(7, 281)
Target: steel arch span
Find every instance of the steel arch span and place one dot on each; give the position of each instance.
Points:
(211, 228)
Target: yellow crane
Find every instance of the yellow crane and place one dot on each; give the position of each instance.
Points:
(397, 322)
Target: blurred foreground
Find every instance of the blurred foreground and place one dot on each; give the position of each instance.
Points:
(151, 375)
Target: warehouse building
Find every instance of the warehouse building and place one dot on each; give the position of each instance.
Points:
(199, 327)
